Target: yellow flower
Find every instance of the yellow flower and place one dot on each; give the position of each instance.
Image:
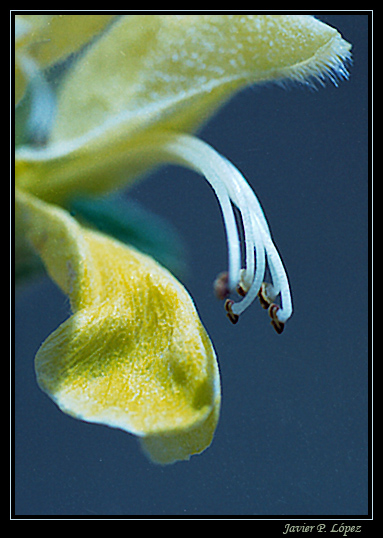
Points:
(134, 354)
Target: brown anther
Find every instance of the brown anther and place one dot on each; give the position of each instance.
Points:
(242, 287)
(264, 300)
(229, 312)
(221, 286)
(278, 325)
(240, 290)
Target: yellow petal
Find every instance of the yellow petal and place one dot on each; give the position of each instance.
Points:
(46, 39)
(176, 69)
(134, 355)
(154, 73)
(50, 38)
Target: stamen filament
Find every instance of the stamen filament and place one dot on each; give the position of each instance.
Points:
(231, 188)
(198, 156)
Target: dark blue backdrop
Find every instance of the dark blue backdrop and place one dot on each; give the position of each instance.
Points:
(293, 433)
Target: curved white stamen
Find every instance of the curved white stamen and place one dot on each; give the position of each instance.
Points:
(261, 231)
(199, 156)
(232, 188)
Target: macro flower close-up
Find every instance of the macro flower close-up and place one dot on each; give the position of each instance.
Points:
(102, 102)
(134, 355)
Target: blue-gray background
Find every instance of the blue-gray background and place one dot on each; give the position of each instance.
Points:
(293, 433)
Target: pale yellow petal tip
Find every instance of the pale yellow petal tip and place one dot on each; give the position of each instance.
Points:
(168, 448)
(304, 49)
(330, 62)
